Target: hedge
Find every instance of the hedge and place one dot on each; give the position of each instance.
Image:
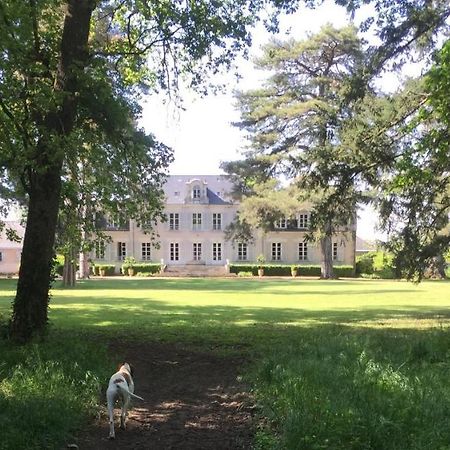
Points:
(110, 269)
(142, 268)
(276, 270)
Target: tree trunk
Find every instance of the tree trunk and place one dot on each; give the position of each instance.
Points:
(69, 270)
(31, 302)
(30, 310)
(326, 247)
(84, 265)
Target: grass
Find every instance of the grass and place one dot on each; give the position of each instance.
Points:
(360, 364)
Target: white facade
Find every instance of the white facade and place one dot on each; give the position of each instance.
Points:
(10, 252)
(198, 209)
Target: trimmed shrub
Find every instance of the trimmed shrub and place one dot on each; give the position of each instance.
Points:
(110, 269)
(284, 270)
(147, 268)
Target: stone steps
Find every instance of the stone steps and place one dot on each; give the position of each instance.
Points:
(194, 270)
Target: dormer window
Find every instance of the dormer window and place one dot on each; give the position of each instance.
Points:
(196, 192)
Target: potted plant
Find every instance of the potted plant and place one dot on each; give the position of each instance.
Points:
(260, 259)
(128, 265)
(294, 270)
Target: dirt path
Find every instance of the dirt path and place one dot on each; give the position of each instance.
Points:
(193, 400)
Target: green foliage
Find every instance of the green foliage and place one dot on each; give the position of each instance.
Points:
(144, 268)
(243, 274)
(371, 390)
(110, 269)
(376, 265)
(285, 270)
(53, 388)
(58, 265)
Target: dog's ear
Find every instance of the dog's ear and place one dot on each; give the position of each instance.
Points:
(120, 366)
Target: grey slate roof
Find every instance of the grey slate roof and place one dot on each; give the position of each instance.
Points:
(218, 188)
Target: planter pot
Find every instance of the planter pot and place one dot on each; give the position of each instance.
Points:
(102, 272)
(293, 273)
(260, 273)
(130, 272)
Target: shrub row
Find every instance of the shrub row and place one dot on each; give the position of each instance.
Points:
(142, 268)
(110, 269)
(273, 270)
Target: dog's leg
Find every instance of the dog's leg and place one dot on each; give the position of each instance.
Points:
(110, 399)
(123, 416)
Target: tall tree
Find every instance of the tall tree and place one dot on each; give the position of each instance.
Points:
(57, 59)
(294, 121)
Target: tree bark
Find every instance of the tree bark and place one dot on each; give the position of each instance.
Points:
(30, 309)
(31, 302)
(69, 270)
(327, 271)
(326, 246)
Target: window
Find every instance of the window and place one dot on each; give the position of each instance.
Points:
(335, 251)
(146, 251)
(197, 251)
(121, 250)
(217, 251)
(174, 251)
(117, 222)
(196, 221)
(276, 251)
(174, 221)
(196, 193)
(100, 250)
(242, 251)
(217, 221)
(302, 251)
(1, 256)
(281, 223)
(302, 221)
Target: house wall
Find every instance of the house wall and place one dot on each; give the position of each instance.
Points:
(185, 206)
(10, 260)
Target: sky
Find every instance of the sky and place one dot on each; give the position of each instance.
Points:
(202, 134)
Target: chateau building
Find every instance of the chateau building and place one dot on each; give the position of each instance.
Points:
(198, 209)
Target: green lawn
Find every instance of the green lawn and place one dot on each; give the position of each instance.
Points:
(359, 364)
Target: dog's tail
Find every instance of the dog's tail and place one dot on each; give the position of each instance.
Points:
(137, 396)
(124, 387)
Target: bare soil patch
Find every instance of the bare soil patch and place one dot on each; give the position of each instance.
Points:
(193, 400)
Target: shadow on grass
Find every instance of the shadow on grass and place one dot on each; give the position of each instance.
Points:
(144, 317)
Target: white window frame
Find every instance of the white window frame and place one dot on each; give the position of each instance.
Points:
(281, 224)
(174, 248)
(303, 251)
(217, 251)
(276, 251)
(196, 192)
(174, 221)
(121, 250)
(196, 221)
(242, 251)
(217, 221)
(197, 251)
(303, 221)
(146, 251)
(100, 247)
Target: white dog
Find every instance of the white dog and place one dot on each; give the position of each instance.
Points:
(121, 387)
